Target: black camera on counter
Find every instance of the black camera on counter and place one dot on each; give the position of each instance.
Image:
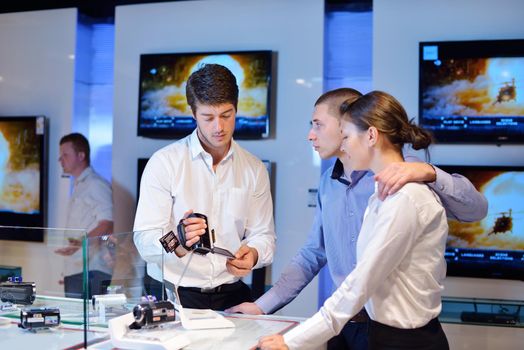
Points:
(201, 247)
(152, 314)
(18, 292)
(39, 318)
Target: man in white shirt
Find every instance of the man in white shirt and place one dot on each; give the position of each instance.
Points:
(208, 173)
(91, 209)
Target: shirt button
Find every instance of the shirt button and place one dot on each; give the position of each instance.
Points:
(441, 187)
(351, 213)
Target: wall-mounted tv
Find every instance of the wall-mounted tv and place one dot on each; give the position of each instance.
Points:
(472, 91)
(23, 176)
(494, 246)
(163, 111)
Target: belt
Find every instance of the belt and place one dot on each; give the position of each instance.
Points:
(360, 317)
(223, 288)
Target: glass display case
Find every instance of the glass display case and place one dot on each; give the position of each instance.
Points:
(40, 306)
(116, 279)
(62, 293)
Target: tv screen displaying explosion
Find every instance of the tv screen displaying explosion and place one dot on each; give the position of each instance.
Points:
(163, 77)
(503, 227)
(19, 166)
(473, 87)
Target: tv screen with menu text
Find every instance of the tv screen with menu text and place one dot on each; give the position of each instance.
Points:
(472, 91)
(494, 246)
(163, 111)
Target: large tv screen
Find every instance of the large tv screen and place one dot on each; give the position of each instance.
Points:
(163, 111)
(472, 91)
(22, 176)
(494, 246)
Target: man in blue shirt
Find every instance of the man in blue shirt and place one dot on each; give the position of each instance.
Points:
(342, 199)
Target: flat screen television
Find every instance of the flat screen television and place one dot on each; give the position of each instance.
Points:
(163, 111)
(472, 91)
(494, 246)
(23, 176)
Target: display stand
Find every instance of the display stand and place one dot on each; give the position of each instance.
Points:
(159, 338)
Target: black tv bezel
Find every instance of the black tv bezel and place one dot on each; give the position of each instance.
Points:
(37, 221)
(175, 134)
(491, 270)
(471, 49)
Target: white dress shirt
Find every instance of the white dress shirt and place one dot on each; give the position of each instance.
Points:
(236, 199)
(90, 203)
(400, 267)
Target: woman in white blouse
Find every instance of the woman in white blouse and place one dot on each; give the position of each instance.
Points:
(400, 248)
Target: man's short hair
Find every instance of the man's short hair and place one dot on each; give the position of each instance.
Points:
(335, 98)
(211, 84)
(80, 144)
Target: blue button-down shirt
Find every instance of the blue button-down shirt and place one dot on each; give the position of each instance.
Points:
(338, 219)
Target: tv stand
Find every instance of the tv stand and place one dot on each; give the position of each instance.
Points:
(489, 318)
(486, 312)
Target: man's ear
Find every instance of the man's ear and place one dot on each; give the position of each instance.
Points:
(372, 136)
(82, 156)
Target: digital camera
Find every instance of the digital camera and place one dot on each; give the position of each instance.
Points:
(39, 318)
(152, 314)
(18, 292)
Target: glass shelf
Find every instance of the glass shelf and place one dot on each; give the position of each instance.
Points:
(485, 312)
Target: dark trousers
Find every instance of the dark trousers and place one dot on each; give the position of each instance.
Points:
(428, 337)
(219, 298)
(98, 283)
(354, 336)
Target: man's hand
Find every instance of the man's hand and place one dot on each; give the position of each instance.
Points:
(194, 228)
(394, 176)
(245, 308)
(272, 342)
(73, 247)
(246, 258)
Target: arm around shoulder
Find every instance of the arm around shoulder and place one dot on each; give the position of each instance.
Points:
(459, 197)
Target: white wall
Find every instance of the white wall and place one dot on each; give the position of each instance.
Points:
(37, 78)
(293, 29)
(398, 27)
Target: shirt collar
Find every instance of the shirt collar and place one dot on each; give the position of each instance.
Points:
(84, 174)
(197, 149)
(338, 174)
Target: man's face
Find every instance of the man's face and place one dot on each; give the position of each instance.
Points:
(325, 133)
(355, 147)
(70, 160)
(216, 125)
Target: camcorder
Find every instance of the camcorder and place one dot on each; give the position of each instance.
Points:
(39, 318)
(152, 314)
(18, 292)
(206, 244)
(201, 247)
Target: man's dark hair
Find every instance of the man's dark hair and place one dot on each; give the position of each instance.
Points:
(80, 144)
(335, 98)
(211, 84)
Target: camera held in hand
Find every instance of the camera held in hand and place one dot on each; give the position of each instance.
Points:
(201, 247)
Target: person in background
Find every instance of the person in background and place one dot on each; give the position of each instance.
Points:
(91, 209)
(207, 172)
(400, 250)
(343, 195)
